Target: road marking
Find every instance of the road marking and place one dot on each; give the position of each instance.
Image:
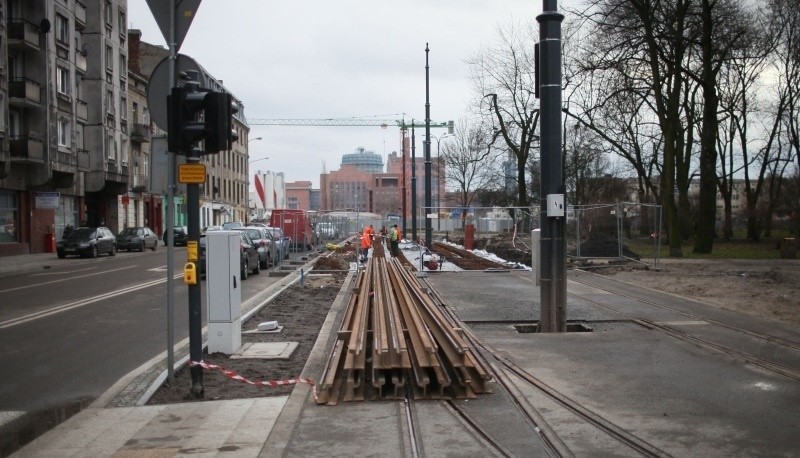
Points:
(80, 303)
(63, 273)
(158, 269)
(63, 279)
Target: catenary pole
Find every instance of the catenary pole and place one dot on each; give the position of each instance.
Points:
(413, 184)
(428, 228)
(552, 243)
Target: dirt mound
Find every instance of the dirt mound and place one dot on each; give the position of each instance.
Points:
(332, 262)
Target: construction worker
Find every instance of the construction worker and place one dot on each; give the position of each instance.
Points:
(394, 240)
(366, 242)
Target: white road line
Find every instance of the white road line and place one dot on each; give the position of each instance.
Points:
(66, 272)
(80, 303)
(63, 279)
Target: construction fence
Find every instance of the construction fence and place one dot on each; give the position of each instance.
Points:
(615, 231)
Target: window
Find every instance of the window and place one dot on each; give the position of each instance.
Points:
(111, 147)
(123, 108)
(123, 60)
(62, 75)
(110, 102)
(109, 14)
(134, 112)
(8, 217)
(64, 131)
(121, 22)
(62, 29)
(109, 58)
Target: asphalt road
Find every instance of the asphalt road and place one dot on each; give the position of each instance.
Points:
(68, 333)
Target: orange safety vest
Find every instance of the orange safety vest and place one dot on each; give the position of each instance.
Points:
(366, 239)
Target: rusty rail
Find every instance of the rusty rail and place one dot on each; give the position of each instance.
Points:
(394, 334)
(464, 259)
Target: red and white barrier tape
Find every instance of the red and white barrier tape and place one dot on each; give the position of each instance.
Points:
(259, 383)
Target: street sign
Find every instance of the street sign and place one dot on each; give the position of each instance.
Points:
(160, 86)
(185, 11)
(192, 173)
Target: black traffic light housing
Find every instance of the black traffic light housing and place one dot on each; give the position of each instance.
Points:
(195, 115)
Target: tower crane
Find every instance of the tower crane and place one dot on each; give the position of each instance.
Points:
(349, 122)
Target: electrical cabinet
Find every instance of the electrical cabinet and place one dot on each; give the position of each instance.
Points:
(224, 292)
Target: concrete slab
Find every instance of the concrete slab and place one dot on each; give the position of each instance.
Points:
(266, 350)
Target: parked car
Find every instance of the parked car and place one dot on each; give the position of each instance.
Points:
(180, 235)
(249, 252)
(211, 228)
(267, 253)
(248, 256)
(88, 241)
(282, 242)
(327, 231)
(137, 238)
(230, 225)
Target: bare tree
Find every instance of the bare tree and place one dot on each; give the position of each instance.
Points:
(722, 29)
(641, 47)
(503, 77)
(470, 162)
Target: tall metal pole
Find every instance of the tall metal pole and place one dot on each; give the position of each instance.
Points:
(428, 228)
(171, 160)
(403, 130)
(413, 184)
(195, 299)
(552, 244)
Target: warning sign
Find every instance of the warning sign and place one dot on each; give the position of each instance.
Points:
(192, 173)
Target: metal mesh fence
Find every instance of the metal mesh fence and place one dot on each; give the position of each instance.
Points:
(623, 230)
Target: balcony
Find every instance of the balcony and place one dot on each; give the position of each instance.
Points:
(24, 92)
(113, 173)
(80, 15)
(23, 35)
(65, 162)
(26, 148)
(140, 133)
(80, 62)
(139, 183)
(82, 111)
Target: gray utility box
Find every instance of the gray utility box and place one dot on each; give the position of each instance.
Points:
(223, 286)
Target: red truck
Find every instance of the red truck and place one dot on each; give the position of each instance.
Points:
(295, 225)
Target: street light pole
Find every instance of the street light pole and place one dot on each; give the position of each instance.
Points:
(428, 228)
(439, 178)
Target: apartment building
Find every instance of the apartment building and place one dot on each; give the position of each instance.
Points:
(64, 127)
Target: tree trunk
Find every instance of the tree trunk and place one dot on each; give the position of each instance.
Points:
(707, 206)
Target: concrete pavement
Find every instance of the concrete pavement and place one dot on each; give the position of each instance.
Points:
(685, 399)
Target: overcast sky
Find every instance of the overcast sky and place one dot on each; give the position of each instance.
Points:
(314, 59)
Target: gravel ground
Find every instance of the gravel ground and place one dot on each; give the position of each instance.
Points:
(301, 310)
(767, 288)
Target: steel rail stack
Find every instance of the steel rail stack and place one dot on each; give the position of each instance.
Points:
(392, 335)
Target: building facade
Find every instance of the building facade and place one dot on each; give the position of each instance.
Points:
(224, 197)
(64, 127)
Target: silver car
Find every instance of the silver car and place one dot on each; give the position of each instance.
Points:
(281, 242)
(267, 251)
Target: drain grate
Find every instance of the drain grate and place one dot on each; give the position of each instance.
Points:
(571, 327)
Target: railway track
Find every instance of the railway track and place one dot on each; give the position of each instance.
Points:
(740, 355)
(464, 259)
(503, 368)
(382, 352)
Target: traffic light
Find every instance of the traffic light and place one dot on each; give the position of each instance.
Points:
(200, 115)
(219, 122)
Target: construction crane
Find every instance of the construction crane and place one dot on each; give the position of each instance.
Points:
(350, 122)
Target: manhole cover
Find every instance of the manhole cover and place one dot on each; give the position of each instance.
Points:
(266, 350)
